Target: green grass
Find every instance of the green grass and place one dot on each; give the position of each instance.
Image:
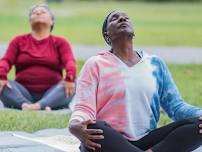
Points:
(189, 81)
(187, 77)
(165, 24)
(12, 120)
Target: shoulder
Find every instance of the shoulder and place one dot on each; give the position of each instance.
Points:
(96, 60)
(155, 60)
(20, 40)
(91, 62)
(101, 57)
(21, 37)
(58, 39)
(159, 65)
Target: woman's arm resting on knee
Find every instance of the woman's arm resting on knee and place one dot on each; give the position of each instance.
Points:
(171, 99)
(85, 135)
(69, 88)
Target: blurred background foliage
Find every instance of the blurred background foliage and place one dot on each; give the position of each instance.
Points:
(162, 23)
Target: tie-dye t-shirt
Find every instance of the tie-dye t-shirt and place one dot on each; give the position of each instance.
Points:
(128, 98)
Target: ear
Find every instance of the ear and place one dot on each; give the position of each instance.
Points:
(52, 26)
(134, 34)
(52, 22)
(107, 38)
(106, 34)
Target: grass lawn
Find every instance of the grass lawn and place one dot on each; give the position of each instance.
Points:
(165, 24)
(15, 120)
(187, 77)
(156, 24)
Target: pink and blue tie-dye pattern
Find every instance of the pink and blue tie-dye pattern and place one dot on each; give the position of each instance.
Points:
(127, 98)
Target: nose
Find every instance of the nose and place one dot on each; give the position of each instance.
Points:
(122, 19)
(38, 12)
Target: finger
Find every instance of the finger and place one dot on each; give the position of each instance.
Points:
(67, 92)
(89, 147)
(71, 92)
(95, 137)
(86, 142)
(200, 125)
(93, 144)
(200, 118)
(200, 131)
(94, 131)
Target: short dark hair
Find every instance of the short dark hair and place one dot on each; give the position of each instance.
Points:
(49, 11)
(104, 29)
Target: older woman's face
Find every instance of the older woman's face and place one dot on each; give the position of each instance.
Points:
(119, 24)
(40, 15)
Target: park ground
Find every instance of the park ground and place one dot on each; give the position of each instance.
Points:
(156, 24)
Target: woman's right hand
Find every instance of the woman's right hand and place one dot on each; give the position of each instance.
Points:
(85, 135)
(4, 83)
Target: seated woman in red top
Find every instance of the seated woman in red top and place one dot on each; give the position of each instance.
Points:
(39, 59)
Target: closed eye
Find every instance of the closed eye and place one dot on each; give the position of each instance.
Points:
(41, 12)
(113, 18)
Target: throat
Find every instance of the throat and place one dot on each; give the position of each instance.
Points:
(40, 36)
(130, 59)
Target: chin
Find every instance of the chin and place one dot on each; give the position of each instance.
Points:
(39, 22)
(126, 32)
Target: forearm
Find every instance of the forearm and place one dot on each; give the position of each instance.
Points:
(178, 110)
(4, 69)
(187, 111)
(70, 71)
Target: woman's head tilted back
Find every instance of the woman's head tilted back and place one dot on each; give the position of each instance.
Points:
(41, 14)
(116, 25)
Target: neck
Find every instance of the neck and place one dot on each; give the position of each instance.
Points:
(40, 32)
(123, 49)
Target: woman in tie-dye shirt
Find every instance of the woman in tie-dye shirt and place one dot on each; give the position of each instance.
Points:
(118, 98)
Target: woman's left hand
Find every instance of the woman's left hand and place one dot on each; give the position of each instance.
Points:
(69, 88)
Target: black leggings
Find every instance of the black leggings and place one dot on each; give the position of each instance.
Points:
(179, 136)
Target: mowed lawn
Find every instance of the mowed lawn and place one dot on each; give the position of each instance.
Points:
(156, 24)
(187, 77)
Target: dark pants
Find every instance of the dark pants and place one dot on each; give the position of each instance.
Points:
(54, 97)
(179, 136)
